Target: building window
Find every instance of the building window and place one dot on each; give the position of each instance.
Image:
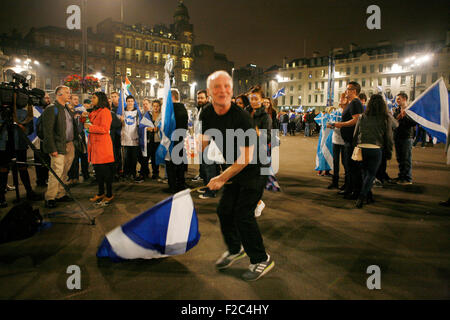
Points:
(299, 87)
(363, 82)
(128, 42)
(156, 47)
(363, 69)
(322, 73)
(62, 44)
(292, 76)
(47, 42)
(147, 75)
(138, 57)
(89, 48)
(424, 78)
(184, 77)
(164, 48)
(321, 98)
(103, 69)
(77, 67)
(323, 85)
(309, 98)
(63, 65)
(388, 81)
(356, 70)
(291, 100)
(147, 58)
(380, 82)
(48, 83)
(372, 68)
(380, 68)
(434, 77)
(348, 71)
(138, 44)
(403, 80)
(315, 98)
(292, 88)
(90, 68)
(284, 100)
(77, 46)
(118, 41)
(436, 63)
(156, 75)
(340, 83)
(147, 45)
(155, 59)
(117, 54)
(128, 71)
(316, 85)
(103, 51)
(299, 75)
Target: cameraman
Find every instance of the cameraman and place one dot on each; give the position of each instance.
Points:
(13, 146)
(42, 171)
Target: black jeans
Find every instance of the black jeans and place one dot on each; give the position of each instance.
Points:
(422, 136)
(143, 161)
(338, 152)
(353, 179)
(5, 159)
(236, 211)
(210, 171)
(370, 164)
(104, 174)
(382, 174)
(74, 171)
(130, 154)
(117, 148)
(41, 171)
(175, 176)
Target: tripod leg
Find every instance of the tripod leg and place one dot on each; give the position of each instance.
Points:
(16, 180)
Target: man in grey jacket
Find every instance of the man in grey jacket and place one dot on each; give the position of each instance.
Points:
(58, 126)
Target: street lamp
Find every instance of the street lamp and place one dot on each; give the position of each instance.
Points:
(413, 62)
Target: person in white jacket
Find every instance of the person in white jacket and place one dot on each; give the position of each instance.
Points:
(130, 138)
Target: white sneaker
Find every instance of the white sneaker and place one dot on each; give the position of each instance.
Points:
(259, 208)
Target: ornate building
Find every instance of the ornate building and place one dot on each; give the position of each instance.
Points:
(115, 50)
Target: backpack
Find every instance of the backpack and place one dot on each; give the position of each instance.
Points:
(40, 127)
(20, 222)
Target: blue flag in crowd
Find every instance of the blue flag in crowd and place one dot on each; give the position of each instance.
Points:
(279, 93)
(299, 109)
(37, 111)
(169, 228)
(167, 126)
(431, 110)
(324, 155)
(145, 123)
(123, 94)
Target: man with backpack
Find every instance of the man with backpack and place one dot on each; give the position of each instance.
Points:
(58, 126)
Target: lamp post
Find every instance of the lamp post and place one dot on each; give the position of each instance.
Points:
(83, 41)
(413, 63)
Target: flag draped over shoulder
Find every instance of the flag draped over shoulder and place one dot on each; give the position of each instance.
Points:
(431, 110)
(37, 111)
(167, 229)
(168, 124)
(279, 93)
(145, 123)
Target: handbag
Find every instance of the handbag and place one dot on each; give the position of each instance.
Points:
(357, 154)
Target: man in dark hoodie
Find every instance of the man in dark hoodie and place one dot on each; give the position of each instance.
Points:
(175, 172)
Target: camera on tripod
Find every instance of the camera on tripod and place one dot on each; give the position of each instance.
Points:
(18, 94)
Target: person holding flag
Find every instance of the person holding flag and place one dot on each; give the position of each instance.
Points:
(130, 138)
(146, 131)
(324, 156)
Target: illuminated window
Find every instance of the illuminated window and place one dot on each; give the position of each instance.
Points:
(128, 71)
(184, 78)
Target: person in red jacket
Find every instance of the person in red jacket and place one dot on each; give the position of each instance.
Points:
(100, 147)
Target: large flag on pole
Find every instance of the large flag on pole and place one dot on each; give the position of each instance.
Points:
(168, 124)
(167, 229)
(431, 110)
(145, 123)
(279, 93)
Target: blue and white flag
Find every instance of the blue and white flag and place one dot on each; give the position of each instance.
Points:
(431, 110)
(279, 93)
(299, 109)
(145, 123)
(37, 111)
(169, 228)
(123, 94)
(324, 155)
(168, 124)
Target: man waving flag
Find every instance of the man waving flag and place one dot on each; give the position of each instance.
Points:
(168, 123)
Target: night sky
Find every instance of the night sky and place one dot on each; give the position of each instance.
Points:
(260, 32)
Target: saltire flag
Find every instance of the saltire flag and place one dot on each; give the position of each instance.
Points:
(299, 109)
(169, 228)
(146, 122)
(37, 111)
(167, 125)
(123, 94)
(431, 110)
(80, 108)
(279, 93)
(324, 155)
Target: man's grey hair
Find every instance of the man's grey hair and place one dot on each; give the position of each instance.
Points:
(217, 74)
(59, 88)
(175, 94)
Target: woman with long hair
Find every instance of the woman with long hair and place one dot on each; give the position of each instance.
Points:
(262, 122)
(373, 134)
(242, 101)
(100, 148)
(268, 105)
